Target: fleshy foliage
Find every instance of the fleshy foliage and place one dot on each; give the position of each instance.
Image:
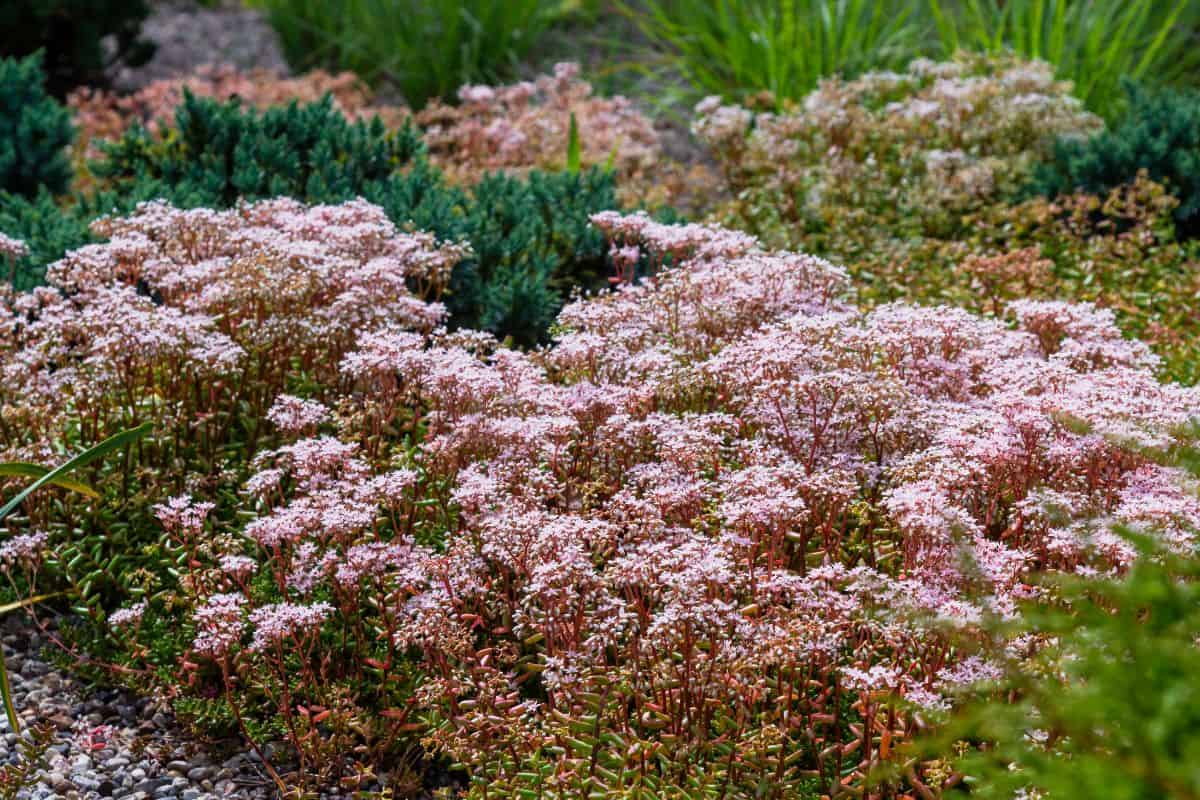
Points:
(527, 125)
(914, 182)
(707, 541)
(897, 155)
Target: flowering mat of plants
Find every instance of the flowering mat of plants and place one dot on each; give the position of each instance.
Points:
(490, 450)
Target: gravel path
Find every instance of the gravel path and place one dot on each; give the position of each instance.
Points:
(189, 36)
(107, 743)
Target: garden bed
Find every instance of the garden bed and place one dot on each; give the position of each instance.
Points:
(818, 421)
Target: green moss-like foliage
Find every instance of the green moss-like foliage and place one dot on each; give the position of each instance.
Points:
(1107, 705)
(1160, 133)
(72, 33)
(530, 238)
(35, 131)
(45, 228)
(217, 153)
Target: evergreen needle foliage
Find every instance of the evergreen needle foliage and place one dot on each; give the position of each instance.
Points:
(531, 244)
(1110, 708)
(1099, 695)
(1160, 133)
(35, 131)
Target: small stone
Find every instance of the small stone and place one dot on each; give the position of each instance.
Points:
(148, 786)
(197, 774)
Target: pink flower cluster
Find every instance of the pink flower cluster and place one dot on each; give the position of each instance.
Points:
(24, 549)
(276, 622)
(219, 624)
(295, 414)
(200, 308)
(12, 248)
(526, 125)
(717, 482)
(712, 522)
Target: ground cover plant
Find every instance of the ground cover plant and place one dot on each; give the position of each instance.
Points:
(527, 125)
(530, 240)
(861, 165)
(915, 182)
(510, 128)
(693, 547)
(444, 460)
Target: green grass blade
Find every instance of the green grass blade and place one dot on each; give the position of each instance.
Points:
(16, 605)
(100, 450)
(26, 470)
(574, 158)
(10, 710)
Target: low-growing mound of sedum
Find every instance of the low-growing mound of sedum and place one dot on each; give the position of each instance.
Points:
(709, 541)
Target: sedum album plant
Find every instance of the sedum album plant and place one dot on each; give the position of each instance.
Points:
(1120, 249)
(529, 236)
(863, 166)
(912, 181)
(524, 126)
(712, 541)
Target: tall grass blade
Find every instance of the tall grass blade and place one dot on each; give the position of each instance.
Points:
(53, 476)
(25, 470)
(574, 158)
(94, 453)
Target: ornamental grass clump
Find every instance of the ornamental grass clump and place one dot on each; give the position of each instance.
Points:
(725, 536)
